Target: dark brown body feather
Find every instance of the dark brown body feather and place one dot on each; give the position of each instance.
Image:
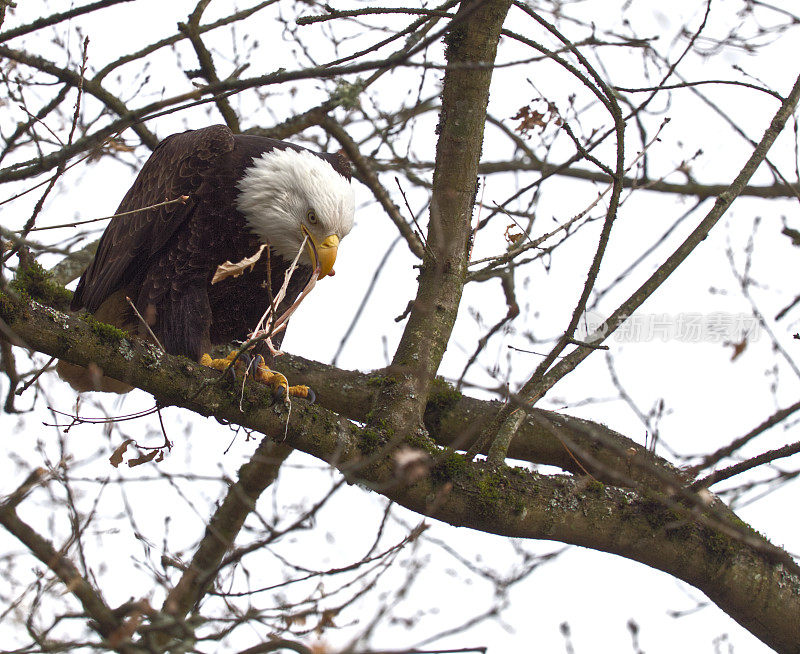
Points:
(164, 258)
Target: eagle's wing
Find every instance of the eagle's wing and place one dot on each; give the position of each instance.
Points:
(339, 162)
(178, 166)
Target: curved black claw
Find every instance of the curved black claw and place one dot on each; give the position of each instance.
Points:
(230, 373)
(311, 397)
(242, 362)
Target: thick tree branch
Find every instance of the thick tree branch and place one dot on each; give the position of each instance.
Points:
(454, 420)
(735, 567)
(471, 50)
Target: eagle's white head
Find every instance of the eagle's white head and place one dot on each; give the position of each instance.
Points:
(286, 195)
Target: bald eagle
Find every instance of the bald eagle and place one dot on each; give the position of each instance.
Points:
(243, 192)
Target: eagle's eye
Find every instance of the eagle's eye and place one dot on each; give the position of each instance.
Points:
(311, 217)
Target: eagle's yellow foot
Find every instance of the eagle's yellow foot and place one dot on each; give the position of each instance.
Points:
(275, 380)
(219, 364)
(279, 383)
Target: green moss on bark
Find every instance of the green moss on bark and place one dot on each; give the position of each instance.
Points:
(35, 282)
(495, 496)
(106, 333)
(379, 381)
(370, 440)
(450, 466)
(442, 398)
(9, 309)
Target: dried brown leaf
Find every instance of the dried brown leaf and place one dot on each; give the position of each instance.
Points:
(529, 119)
(513, 237)
(738, 348)
(145, 458)
(298, 619)
(118, 145)
(128, 627)
(792, 234)
(326, 620)
(417, 531)
(110, 146)
(229, 269)
(116, 458)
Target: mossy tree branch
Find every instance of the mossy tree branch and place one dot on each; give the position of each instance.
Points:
(471, 50)
(710, 549)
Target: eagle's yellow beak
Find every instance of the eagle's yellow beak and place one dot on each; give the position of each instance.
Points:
(326, 252)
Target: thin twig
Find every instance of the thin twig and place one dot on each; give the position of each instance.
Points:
(420, 233)
(182, 200)
(33, 379)
(743, 466)
(144, 322)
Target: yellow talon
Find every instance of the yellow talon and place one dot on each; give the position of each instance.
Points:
(279, 382)
(275, 380)
(217, 364)
(303, 391)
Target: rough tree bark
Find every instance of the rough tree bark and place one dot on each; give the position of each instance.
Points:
(753, 581)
